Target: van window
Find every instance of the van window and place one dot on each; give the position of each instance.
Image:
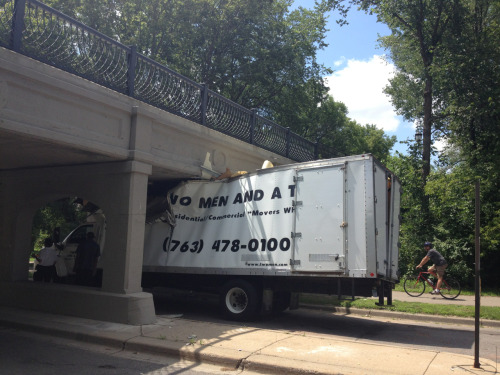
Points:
(80, 234)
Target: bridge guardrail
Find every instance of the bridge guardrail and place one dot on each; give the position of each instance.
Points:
(36, 30)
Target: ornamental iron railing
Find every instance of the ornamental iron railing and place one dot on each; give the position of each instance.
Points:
(36, 30)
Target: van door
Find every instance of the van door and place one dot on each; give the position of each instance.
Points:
(319, 243)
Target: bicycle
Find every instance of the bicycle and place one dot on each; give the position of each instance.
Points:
(414, 286)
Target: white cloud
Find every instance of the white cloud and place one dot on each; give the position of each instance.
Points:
(339, 62)
(360, 87)
(441, 144)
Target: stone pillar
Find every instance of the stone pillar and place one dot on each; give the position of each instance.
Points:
(120, 189)
(125, 216)
(15, 229)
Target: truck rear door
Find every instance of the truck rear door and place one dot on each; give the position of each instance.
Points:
(394, 228)
(382, 218)
(319, 244)
(387, 206)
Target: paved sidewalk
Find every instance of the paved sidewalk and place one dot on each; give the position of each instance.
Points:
(249, 348)
(460, 300)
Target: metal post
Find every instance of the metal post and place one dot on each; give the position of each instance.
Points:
(381, 293)
(17, 25)
(316, 150)
(477, 279)
(204, 104)
(132, 63)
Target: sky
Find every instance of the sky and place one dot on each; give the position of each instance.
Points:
(361, 73)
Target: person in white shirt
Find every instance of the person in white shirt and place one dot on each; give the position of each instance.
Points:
(47, 259)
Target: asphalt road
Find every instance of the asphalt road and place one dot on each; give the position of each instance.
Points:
(24, 353)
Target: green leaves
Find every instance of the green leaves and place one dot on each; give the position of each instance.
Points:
(61, 213)
(447, 55)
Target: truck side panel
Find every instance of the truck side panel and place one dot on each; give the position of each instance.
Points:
(245, 224)
(317, 219)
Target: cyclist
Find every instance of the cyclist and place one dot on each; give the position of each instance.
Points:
(438, 267)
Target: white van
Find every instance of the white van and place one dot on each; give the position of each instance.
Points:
(96, 223)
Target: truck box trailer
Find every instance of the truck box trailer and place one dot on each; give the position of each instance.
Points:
(258, 239)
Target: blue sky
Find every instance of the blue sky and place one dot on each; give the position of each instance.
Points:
(360, 72)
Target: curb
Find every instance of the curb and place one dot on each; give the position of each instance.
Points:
(231, 358)
(403, 316)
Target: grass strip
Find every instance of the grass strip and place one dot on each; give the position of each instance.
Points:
(487, 312)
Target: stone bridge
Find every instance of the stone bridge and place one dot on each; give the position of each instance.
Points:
(62, 135)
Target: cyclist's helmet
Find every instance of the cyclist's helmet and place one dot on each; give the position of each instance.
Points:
(428, 244)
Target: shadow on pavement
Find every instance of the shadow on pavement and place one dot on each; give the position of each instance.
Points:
(204, 308)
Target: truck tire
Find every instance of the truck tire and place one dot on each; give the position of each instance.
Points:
(239, 300)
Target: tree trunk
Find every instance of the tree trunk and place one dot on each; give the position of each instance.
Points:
(426, 152)
(427, 131)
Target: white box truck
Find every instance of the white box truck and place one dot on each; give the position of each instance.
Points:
(259, 239)
(327, 226)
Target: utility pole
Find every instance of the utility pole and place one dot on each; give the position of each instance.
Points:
(477, 280)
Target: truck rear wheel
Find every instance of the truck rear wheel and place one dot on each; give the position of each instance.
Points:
(239, 300)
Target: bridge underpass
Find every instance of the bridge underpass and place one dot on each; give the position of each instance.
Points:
(60, 136)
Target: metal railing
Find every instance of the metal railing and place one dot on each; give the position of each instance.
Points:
(33, 29)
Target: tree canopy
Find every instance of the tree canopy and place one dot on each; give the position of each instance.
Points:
(260, 54)
(448, 58)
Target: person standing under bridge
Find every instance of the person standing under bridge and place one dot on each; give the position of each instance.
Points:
(87, 255)
(47, 259)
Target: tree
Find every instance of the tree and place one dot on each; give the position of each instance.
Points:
(470, 78)
(253, 52)
(407, 168)
(331, 126)
(102, 15)
(451, 196)
(447, 54)
(417, 32)
(61, 213)
(256, 53)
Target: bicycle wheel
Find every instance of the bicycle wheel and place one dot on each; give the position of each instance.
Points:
(450, 288)
(414, 286)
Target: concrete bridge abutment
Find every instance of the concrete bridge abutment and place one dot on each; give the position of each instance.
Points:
(120, 189)
(63, 136)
